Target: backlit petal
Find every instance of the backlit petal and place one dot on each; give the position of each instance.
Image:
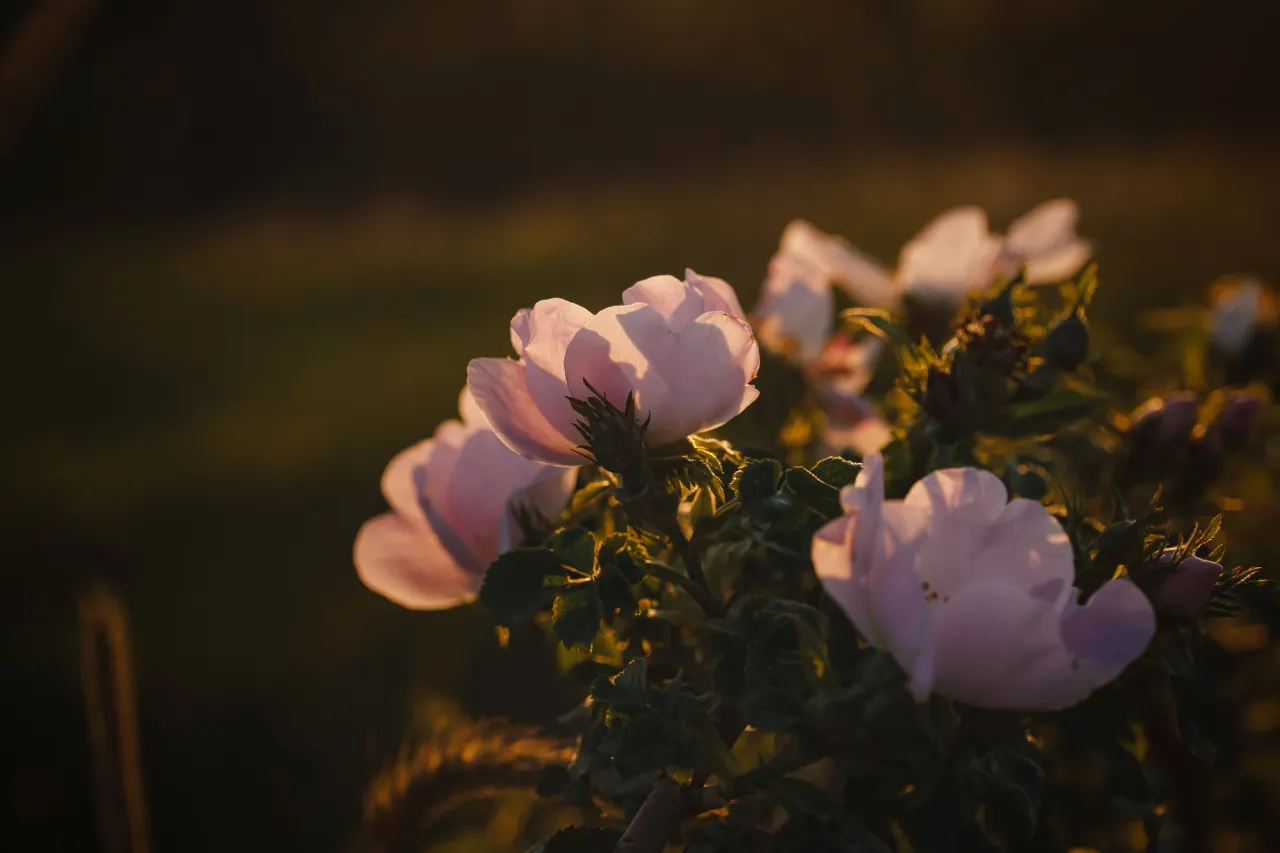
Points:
(404, 562)
(498, 385)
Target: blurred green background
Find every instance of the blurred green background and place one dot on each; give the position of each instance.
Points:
(248, 248)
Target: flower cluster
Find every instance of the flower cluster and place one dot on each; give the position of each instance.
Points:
(886, 622)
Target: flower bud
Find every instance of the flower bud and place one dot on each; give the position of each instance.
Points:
(1165, 421)
(1066, 346)
(1120, 544)
(614, 438)
(1187, 586)
(1237, 417)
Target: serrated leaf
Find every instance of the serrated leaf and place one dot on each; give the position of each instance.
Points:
(626, 691)
(515, 585)
(576, 614)
(806, 486)
(836, 471)
(757, 480)
(576, 548)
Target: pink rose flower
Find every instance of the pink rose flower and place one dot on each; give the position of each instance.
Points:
(973, 594)
(454, 500)
(682, 347)
(957, 254)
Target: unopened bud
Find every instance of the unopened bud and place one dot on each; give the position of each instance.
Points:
(1165, 421)
(613, 438)
(1120, 543)
(1236, 418)
(1066, 346)
(1187, 586)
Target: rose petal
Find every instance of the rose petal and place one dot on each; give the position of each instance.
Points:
(866, 281)
(1059, 265)
(718, 294)
(500, 391)
(404, 562)
(472, 416)
(547, 495)
(1044, 229)
(1111, 629)
(995, 646)
(687, 382)
(486, 476)
(952, 255)
(552, 325)
(520, 330)
(970, 495)
(677, 302)
(404, 480)
(868, 570)
(796, 310)
(1023, 546)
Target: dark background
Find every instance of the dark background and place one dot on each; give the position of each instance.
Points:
(247, 248)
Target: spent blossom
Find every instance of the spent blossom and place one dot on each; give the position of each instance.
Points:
(973, 594)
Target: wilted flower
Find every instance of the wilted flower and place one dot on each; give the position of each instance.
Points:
(455, 499)
(973, 594)
(1189, 586)
(682, 347)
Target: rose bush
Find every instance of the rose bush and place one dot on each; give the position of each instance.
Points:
(997, 609)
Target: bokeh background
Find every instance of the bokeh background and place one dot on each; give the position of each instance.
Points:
(248, 246)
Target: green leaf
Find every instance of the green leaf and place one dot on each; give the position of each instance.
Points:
(880, 324)
(836, 471)
(580, 839)
(575, 616)
(1057, 409)
(627, 691)
(805, 485)
(515, 585)
(576, 548)
(757, 480)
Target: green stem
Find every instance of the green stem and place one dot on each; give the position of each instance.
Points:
(693, 565)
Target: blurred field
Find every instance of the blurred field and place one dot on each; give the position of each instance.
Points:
(199, 413)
